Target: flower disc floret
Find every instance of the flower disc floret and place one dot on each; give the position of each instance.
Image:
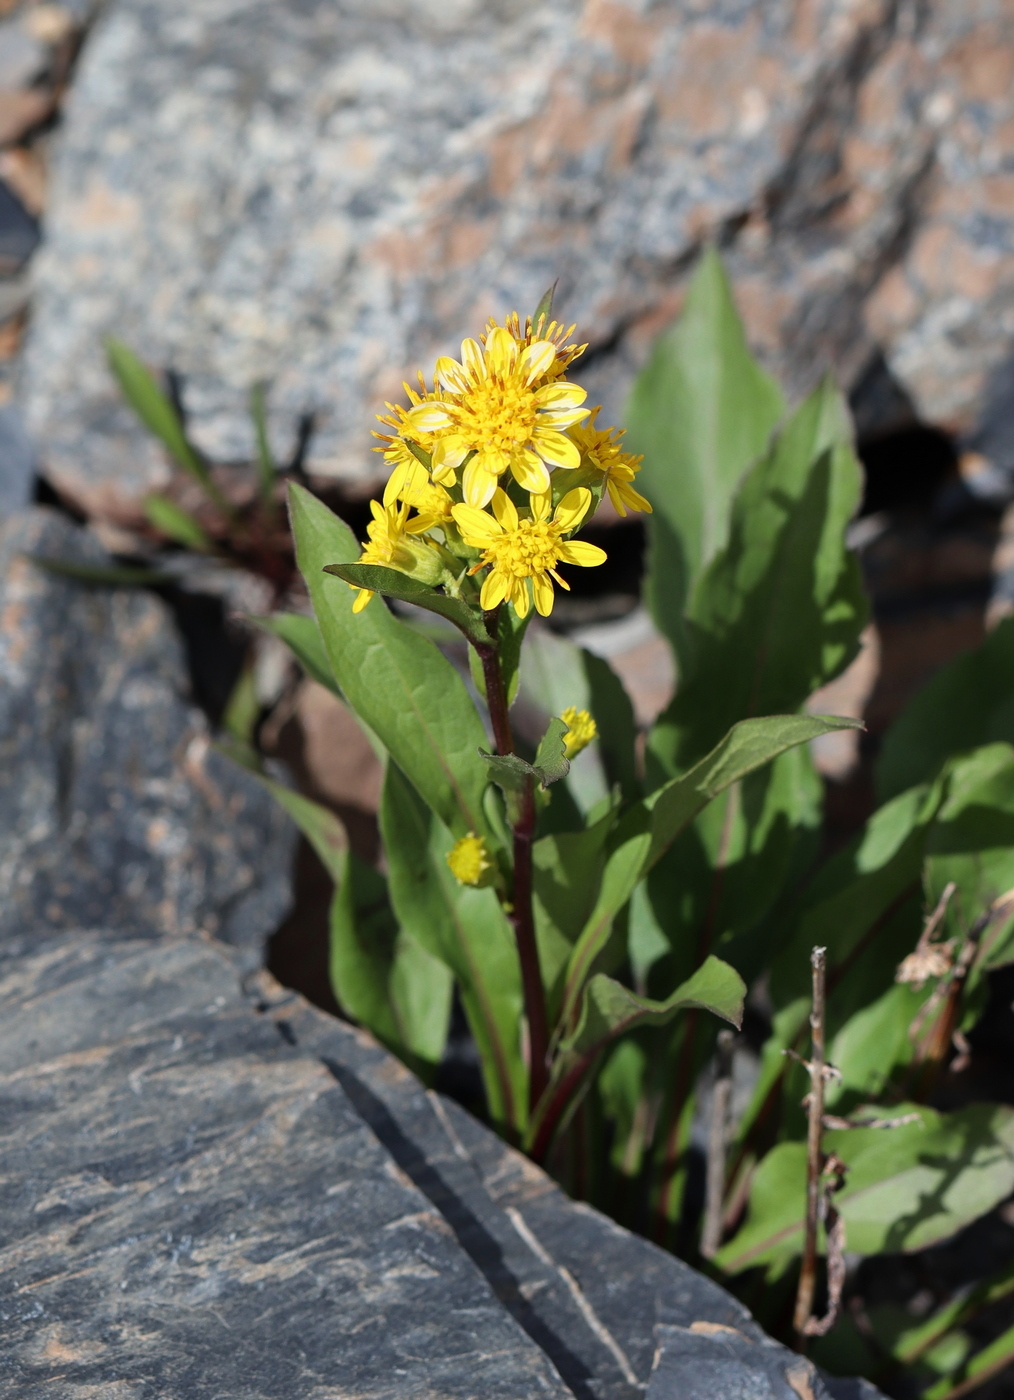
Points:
(581, 730)
(520, 549)
(469, 860)
(494, 413)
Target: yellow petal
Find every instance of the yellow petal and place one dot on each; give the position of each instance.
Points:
(520, 597)
(554, 448)
(540, 502)
(501, 351)
(543, 590)
(529, 471)
(562, 394)
(477, 527)
(378, 512)
(561, 417)
(362, 598)
(503, 509)
(429, 417)
(478, 484)
(448, 453)
(537, 359)
(473, 359)
(494, 589)
(573, 508)
(580, 552)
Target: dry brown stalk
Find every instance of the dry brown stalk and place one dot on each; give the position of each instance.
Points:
(711, 1234)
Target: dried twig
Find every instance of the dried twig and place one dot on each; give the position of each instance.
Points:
(711, 1234)
(814, 1155)
(834, 1229)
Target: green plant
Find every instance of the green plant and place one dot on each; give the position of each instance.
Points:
(591, 904)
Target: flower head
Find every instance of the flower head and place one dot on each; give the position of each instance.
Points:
(581, 730)
(389, 542)
(521, 549)
(600, 448)
(469, 859)
(504, 405)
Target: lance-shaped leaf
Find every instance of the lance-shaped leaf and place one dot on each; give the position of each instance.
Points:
(302, 636)
(778, 611)
(544, 310)
(394, 584)
(907, 1187)
(467, 930)
(380, 975)
(701, 411)
(566, 867)
(177, 524)
(103, 575)
(157, 413)
(972, 1373)
(267, 468)
(608, 1011)
(648, 829)
(551, 761)
(967, 703)
(397, 682)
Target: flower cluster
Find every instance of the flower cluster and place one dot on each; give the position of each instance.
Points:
(495, 469)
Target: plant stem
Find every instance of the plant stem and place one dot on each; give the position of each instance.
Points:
(711, 1234)
(814, 1154)
(523, 828)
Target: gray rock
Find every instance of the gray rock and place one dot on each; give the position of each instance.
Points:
(115, 811)
(191, 1208)
(23, 57)
(17, 462)
(699, 1365)
(325, 196)
(19, 231)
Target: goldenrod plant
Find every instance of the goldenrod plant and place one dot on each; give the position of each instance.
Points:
(508, 873)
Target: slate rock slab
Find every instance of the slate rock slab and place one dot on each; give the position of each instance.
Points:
(326, 195)
(190, 1208)
(115, 812)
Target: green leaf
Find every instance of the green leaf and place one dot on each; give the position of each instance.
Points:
(544, 310)
(177, 524)
(267, 469)
(157, 413)
(649, 828)
(381, 976)
(243, 708)
(467, 930)
(566, 867)
(609, 1010)
(302, 636)
(555, 674)
(394, 584)
(551, 761)
(907, 1187)
(701, 411)
(968, 703)
(397, 682)
(778, 611)
(971, 843)
(988, 1362)
(324, 831)
(865, 906)
(103, 575)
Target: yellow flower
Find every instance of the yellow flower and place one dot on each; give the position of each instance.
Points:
(389, 543)
(600, 448)
(581, 730)
(395, 446)
(469, 860)
(518, 550)
(494, 412)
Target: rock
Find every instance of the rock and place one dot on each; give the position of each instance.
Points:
(23, 56)
(193, 1208)
(325, 197)
(115, 811)
(19, 233)
(17, 463)
(210, 1194)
